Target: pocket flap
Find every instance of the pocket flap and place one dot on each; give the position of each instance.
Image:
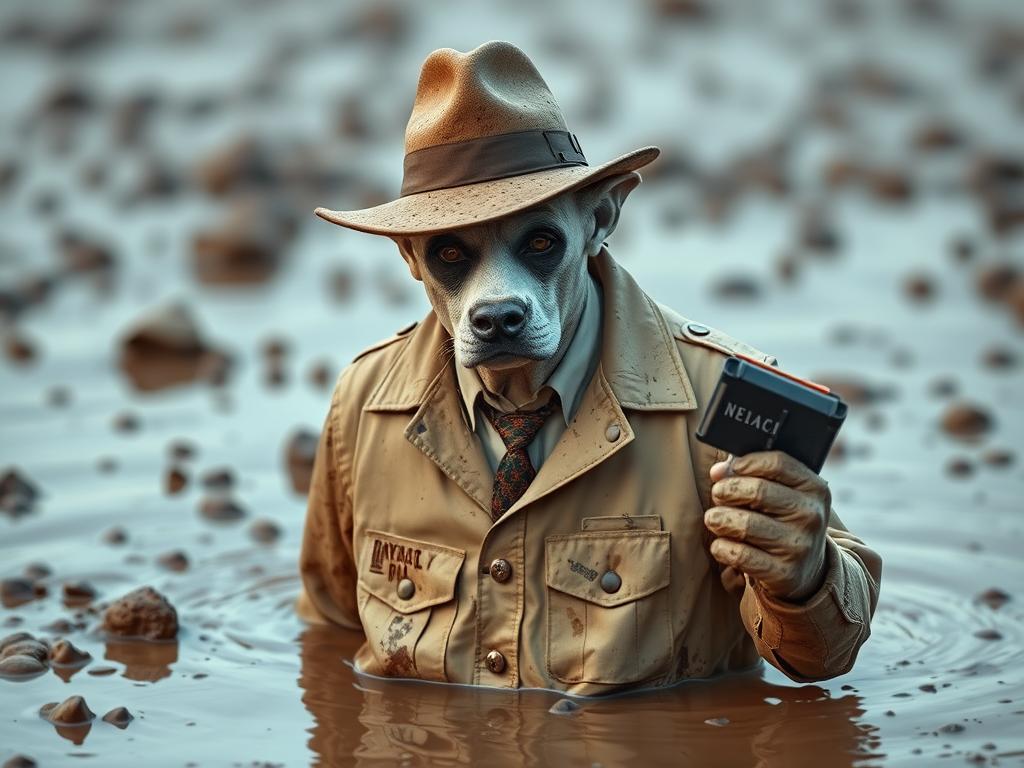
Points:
(387, 560)
(577, 563)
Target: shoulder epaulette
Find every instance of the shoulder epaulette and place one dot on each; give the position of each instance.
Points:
(706, 336)
(400, 334)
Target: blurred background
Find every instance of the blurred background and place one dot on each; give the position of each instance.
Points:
(841, 185)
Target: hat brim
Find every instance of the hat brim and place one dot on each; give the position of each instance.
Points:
(463, 206)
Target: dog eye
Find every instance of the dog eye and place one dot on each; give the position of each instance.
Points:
(540, 243)
(449, 254)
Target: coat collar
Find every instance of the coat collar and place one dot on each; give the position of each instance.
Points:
(640, 369)
(639, 356)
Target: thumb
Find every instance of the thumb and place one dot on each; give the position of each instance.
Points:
(722, 469)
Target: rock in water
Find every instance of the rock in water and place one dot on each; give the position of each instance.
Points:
(119, 717)
(68, 655)
(71, 711)
(564, 707)
(143, 613)
(165, 348)
(965, 421)
(300, 453)
(21, 666)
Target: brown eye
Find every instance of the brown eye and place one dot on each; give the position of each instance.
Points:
(540, 243)
(450, 254)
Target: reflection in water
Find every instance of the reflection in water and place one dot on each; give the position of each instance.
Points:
(143, 660)
(739, 719)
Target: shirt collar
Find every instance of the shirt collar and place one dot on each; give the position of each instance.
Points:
(571, 375)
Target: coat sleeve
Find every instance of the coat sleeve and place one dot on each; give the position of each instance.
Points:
(327, 561)
(819, 637)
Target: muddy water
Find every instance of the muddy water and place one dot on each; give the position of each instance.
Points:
(856, 246)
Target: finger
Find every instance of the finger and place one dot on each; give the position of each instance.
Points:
(721, 469)
(759, 493)
(778, 466)
(750, 560)
(748, 526)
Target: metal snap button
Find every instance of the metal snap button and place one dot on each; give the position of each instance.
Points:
(698, 330)
(501, 570)
(612, 433)
(495, 662)
(406, 589)
(610, 582)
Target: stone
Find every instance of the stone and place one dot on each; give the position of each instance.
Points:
(142, 613)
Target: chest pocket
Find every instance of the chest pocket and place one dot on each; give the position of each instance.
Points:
(407, 604)
(608, 608)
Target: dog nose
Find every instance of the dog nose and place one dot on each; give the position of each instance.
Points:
(505, 317)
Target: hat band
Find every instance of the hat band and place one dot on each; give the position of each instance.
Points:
(489, 158)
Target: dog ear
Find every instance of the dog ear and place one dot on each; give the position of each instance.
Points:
(405, 248)
(601, 204)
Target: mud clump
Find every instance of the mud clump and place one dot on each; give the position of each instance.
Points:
(119, 717)
(246, 248)
(299, 454)
(20, 761)
(143, 613)
(165, 348)
(965, 421)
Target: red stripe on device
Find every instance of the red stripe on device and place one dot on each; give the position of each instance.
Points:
(780, 372)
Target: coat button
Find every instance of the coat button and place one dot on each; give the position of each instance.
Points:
(406, 589)
(610, 582)
(698, 330)
(495, 662)
(501, 570)
(612, 433)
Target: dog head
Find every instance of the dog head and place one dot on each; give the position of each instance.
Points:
(510, 291)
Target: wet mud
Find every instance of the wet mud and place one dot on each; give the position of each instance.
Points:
(841, 185)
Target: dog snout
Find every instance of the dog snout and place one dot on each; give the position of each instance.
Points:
(492, 319)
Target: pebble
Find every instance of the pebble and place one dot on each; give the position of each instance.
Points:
(67, 654)
(142, 613)
(166, 348)
(17, 591)
(988, 634)
(118, 717)
(265, 531)
(182, 450)
(959, 467)
(999, 358)
(29, 647)
(736, 288)
(220, 509)
(564, 707)
(219, 479)
(999, 458)
(71, 711)
(175, 481)
(20, 761)
(993, 597)
(966, 421)
(115, 536)
(21, 666)
(174, 561)
(300, 453)
(919, 288)
(126, 422)
(994, 281)
(18, 494)
(78, 592)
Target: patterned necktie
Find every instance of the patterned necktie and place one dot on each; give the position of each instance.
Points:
(515, 472)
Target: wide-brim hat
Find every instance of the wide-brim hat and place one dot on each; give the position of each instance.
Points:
(485, 138)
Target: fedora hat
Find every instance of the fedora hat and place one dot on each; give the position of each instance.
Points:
(485, 139)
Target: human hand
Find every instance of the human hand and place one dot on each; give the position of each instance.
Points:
(771, 516)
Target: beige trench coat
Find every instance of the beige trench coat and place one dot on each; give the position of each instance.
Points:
(401, 492)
